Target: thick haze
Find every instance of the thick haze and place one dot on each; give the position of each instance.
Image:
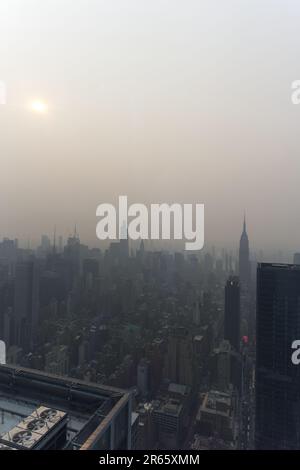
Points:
(165, 101)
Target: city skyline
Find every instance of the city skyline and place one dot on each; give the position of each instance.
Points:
(57, 240)
(163, 103)
(149, 228)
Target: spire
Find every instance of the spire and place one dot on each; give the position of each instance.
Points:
(244, 262)
(76, 234)
(244, 235)
(54, 240)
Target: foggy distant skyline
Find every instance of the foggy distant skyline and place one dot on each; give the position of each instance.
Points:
(164, 101)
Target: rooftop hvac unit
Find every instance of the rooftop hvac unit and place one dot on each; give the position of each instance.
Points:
(45, 428)
(21, 438)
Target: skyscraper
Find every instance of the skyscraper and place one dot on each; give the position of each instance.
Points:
(297, 258)
(180, 356)
(232, 312)
(244, 262)
(277, 378)
(26, 303)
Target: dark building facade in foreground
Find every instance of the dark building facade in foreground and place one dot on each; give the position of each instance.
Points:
(277, 414)
(42, 411)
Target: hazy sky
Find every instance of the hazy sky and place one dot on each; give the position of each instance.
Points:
(162, 100)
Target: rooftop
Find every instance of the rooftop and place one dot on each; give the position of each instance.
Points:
(178, 389)
(284, 266)
(88, 408)
(216, 402)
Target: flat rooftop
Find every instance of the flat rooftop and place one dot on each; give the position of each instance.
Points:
(216, 402)
(283, 266)
(13, 410)
(89, 407)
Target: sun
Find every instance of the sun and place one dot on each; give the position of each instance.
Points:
(39, 106)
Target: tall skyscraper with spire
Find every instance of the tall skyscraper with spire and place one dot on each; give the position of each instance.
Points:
(244, 261)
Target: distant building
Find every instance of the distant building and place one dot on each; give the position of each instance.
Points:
(217, 416)
(45, 246)
(169, 415)
(156, 354)
(244, 260)
(57, 360)
(297, 258)
(180, 357)
(8, 253)
(90, 271)
(196, 314)
(222, 364)
(26, 304)
(147, 436)
(226, 367)
(143, 377)
(232, 318)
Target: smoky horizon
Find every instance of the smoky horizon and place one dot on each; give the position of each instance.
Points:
(166, 102)
(149, 229)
